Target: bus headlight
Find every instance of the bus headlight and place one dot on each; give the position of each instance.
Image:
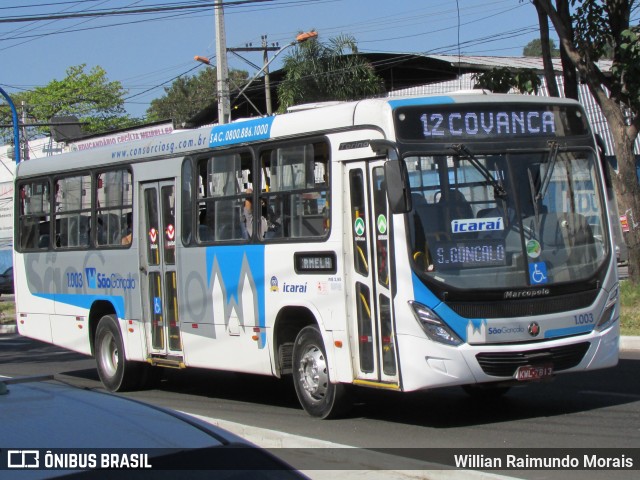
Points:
(610, 311)
(433, 326)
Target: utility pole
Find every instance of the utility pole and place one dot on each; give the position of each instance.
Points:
(302, 37)
(265, 49)
(25, 145)
(267, 85)
(222, 70)
(224, 103)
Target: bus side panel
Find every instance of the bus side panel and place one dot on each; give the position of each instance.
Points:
(34, 325)
(133, 334)
(31, 310)
(89, 278)
(321, 294)
(222, 308)
(71, 332)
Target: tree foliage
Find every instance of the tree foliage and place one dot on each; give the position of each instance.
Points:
(534, 48)
(596, 26)
(188, 95)
(97, 102)
(503, 79)
(317, 72)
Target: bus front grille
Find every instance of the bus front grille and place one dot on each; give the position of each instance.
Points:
(505, 364)
(524, 308)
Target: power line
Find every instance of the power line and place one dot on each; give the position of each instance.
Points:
(39, 5)
(163, 83)
(95, 27)
(275, 4)
(124, 11)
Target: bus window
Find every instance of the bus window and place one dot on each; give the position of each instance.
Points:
(187, 201)
(73, 211)
(152, 229)
(382, 224)
(224, 182)
(114, 208)
(34, 215)
(169, 223)
(295, 191)
(356, 186)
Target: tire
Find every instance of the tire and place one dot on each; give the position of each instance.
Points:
(116, 373)
(318, 396)
(486, 391)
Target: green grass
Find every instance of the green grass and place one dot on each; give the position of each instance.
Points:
(630, 308)
(7, 312)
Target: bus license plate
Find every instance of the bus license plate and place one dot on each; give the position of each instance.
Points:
(530, 372)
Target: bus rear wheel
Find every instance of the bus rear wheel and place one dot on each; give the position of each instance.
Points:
(116, 373)
(318, 396)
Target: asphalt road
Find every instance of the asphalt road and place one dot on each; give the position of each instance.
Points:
(586, 410)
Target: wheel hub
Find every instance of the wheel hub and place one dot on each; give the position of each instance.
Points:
(313, 373)
(109, 355)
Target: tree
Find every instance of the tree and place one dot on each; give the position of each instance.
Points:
(597, 26)
(97, 102)
(318, 72)
(534, 48)
(502, 80)
(187, 95)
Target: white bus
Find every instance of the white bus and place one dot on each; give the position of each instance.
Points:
(401, 244)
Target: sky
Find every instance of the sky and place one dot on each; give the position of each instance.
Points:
(146, 51)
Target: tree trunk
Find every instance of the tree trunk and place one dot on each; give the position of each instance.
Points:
(568, 70)
(628, 195)
(549, 73)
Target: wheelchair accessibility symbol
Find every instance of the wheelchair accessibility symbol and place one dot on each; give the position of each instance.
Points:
(157, 306)
(538, 273)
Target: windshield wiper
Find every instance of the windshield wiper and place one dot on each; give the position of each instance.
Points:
(534, 199)
(553, 158)
(463, 151)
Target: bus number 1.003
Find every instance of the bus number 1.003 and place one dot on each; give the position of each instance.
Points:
(583, 319)
(74, 280)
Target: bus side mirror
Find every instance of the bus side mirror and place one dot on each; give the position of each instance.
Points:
(398, 191)
(396, 176)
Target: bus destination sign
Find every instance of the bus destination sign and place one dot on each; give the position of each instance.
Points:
(480, 122)
(469, 254)
(315, 262)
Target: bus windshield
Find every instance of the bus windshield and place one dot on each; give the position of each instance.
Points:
(508, 220)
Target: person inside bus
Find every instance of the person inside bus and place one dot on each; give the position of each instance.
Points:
(127, 230)
(458, 205)
(247, 218)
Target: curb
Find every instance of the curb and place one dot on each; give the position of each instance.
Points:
(364, 464)
(8, 329)
(629, 344)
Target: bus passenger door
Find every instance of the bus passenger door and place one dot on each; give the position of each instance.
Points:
(158, 262)
(372, 329)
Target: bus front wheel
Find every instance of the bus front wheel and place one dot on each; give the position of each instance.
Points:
(317, 395)
(116, 373)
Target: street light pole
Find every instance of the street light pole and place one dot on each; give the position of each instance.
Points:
(16, 125)
(222, 70)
